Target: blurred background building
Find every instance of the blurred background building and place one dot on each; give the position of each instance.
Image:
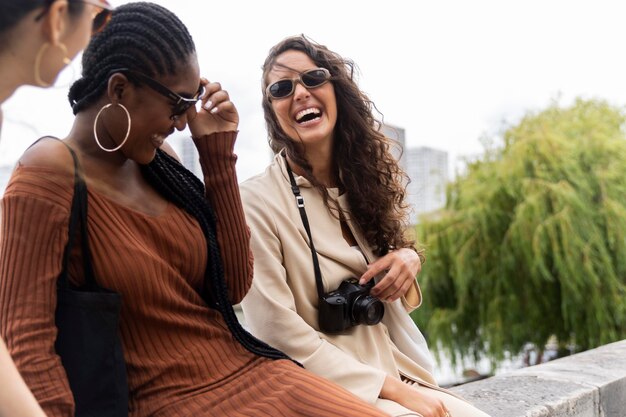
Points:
(427, 169)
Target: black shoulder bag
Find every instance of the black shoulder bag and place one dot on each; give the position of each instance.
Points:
(87, 319)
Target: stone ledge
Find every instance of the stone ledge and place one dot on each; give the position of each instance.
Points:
(588, 384)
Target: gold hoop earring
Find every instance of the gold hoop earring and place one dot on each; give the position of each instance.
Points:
(66, 61)
(95, 123)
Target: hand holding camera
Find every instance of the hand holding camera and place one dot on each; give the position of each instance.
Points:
(402, 265)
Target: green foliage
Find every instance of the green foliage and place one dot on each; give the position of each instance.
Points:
(532, 242)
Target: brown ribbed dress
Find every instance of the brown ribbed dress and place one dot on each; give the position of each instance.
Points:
(181, 358)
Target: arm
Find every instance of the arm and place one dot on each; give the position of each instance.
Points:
(15, 398)
(214, 129)
(271, 314)
(34, 233)
(218, 166)
(404, 394)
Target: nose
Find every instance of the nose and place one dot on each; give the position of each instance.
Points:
(300, 91)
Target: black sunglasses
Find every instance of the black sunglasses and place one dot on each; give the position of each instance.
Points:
(181, 104)
(101, 16)
(310, 79)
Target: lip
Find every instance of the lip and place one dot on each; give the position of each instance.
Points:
(157, 140)
(310, 122)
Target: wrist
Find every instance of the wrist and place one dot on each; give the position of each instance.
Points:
(392, 389)
(420, 253)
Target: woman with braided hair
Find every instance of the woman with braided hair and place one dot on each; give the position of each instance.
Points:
(174, 248)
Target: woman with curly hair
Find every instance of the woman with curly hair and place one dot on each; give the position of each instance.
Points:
(334, 271)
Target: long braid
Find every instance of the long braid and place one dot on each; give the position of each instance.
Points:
(184, 189)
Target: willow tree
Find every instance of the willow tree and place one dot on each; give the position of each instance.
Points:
(532, 242)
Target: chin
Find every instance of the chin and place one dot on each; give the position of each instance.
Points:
(145, 159)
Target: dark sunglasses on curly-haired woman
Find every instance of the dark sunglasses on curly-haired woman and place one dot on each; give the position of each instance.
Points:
(310, 79)
(101, 14)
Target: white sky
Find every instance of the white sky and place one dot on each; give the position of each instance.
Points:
(447, 71)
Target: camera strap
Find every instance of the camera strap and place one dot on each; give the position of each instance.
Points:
(305, 221)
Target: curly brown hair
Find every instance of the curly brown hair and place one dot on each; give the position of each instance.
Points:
(370, 175)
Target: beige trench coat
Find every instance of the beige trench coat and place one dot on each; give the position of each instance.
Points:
(281, 306)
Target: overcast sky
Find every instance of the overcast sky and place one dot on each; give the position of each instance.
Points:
(447, 71)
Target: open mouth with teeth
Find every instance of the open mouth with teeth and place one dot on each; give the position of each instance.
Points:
(308, 115)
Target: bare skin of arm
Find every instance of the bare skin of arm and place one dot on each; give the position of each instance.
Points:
(15, 398)
(396, 390)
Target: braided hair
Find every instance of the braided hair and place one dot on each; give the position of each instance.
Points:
(184, 189)
(150, 39)
(141, 36)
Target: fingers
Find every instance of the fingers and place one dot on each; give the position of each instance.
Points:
(437, 409)
(394, 284)
(441, 409)
(214, 96)
(398, 288)
(376, 268)
(401, 267)
(218, 113)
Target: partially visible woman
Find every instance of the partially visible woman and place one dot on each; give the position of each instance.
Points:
(37, 39)
(334, 172)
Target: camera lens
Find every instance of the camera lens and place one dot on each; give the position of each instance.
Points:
(367, 310)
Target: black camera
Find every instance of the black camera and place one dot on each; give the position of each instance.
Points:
(349, 305)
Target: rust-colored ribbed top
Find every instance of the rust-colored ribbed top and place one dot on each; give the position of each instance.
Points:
(181, 358)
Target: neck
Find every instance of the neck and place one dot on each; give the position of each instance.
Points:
(17, 56)
(82, 138)
(13, 73)
(322, 166)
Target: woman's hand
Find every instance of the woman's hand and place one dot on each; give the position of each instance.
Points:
(402, 266)
(218, 113)
(418, 401)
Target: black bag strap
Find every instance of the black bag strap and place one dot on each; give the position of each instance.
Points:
(78, 214)
(305, 221)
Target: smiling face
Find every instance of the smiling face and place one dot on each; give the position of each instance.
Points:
(151, 113)
(309, 115)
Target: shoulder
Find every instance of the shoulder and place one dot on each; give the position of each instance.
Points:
(254, 191)
(259, 190)
(45, 171)
(48, 153)
(263, 183)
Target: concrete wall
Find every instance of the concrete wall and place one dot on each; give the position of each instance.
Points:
(588, 384)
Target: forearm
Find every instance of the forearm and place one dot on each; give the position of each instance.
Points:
(393, 389)
(218, 159)
(16, 400)
(425, 404)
